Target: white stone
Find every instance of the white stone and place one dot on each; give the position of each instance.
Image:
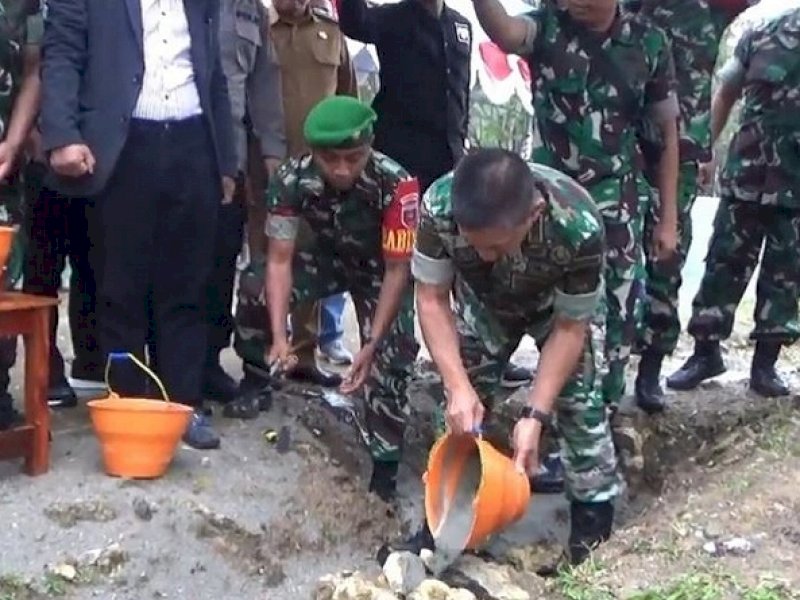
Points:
(67, 572)
(738, 547)
(432, 589)
(495, 579)
(404, 571)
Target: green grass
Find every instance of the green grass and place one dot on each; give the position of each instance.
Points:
(714, 586)
(694, 586)
(580, 583)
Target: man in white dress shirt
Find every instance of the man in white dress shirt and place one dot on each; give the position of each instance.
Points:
(136, 115)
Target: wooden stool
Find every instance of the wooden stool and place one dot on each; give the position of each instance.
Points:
(29, 316)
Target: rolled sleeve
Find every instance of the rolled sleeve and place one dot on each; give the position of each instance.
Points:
(282, 227)
(661, 89)
(667, 109)
(531, 31)
(432, 271)
(578, 307)
(34, 29)
(733, 72)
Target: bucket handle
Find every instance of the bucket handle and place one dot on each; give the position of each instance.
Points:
(112, 356)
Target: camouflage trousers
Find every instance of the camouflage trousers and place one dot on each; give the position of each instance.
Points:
(318, 275)
(661, 325)
(581, 416)
(619, 202)
(740, 230)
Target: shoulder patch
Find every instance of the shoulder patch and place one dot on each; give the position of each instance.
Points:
(389, 166)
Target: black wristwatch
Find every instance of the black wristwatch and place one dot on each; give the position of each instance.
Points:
(531, 412)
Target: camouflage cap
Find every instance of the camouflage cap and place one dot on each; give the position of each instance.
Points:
(339, 121)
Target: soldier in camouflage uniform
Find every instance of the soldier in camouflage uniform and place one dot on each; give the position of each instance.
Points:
(522, 246)
(21, 30)
(585, 126)
(363, 209)
(759, 206)
(694, 48)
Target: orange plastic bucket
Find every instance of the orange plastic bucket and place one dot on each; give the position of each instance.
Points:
(6, 238)
(138, 436)
(469, 483)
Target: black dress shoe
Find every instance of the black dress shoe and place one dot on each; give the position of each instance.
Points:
(61, 395)
(218, 385)
(313, 374)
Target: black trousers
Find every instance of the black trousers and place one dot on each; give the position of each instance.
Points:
(156, 222)
(57, 230)
(219, 293)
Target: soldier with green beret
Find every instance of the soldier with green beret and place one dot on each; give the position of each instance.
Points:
(362, 208)
(21, 29)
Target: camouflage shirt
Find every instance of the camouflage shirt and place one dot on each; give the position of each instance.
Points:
(694, 39)
(558, 270)
(20, 25)
(764, 158)
(582, 126)
(377, 217)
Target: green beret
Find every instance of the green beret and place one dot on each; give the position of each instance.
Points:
(339, 121)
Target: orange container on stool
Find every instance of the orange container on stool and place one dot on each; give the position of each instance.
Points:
(6, 239)
(472, 468)
(138, 436)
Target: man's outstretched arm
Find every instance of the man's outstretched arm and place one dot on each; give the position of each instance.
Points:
(514, 35)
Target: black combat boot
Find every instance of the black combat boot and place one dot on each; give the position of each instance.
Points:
(649, 395)
(9, 417)
(421, 540)
(253, 397)
(705, 363)
(384, 479)
(590, 526)
(764, 380)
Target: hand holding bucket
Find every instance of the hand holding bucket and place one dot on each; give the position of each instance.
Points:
(472, 491)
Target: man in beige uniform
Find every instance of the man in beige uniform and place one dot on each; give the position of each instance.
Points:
(314, 64)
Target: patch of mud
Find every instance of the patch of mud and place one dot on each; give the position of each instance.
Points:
(329, 511)
(342, 509)
(245, 550)
(69, 514)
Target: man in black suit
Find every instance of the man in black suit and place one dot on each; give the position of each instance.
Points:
(136, 116)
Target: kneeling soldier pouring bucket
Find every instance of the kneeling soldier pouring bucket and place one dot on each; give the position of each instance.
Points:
(522, 247)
